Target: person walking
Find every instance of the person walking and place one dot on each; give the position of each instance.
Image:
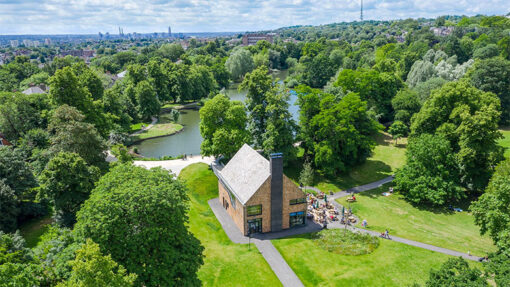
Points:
(387, 234)
(364, 223)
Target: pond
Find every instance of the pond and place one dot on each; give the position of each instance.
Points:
(189, 139)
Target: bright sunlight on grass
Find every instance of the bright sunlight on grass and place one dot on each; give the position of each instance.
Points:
(385, 160)
(505, 142)
(225, 263)
(164, 127)
(439, 227)
(391, 264)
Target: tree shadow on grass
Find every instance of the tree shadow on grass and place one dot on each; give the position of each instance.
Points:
(368, 172)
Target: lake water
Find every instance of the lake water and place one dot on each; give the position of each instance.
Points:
(189, 139)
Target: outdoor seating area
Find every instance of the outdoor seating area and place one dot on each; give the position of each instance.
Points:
(323, 212)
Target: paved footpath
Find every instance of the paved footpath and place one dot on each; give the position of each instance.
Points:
(175, 165)
(154, 121)
(277, 263)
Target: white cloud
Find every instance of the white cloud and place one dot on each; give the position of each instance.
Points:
(91, 16)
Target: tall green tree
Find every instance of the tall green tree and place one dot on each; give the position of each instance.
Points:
(89, 79)
(148, 103)
(8, 208)
(492, 209)
(406, 103)
(65, 88)
(336, 134)
(493, 75)
(91, 268)
(398, 130)
(239, 63)
(468, 118)
(15, 172)
(140, 218)
(318, 71)
(171, 51)
(71, 134)
(456, 272)
(280, 127)
(223, 127)
(377, 89)
(20, 113)
(430, 175)
(67, 182)
(258, 85)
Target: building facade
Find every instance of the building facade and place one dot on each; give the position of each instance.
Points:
(258, 196)
(252, 39)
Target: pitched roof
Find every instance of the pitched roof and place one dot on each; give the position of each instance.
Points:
(33, 90)
(122, 74)
(245, 173)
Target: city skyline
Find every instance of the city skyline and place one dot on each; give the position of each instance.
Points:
(92, 16)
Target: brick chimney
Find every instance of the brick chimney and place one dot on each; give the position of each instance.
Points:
(276, 169)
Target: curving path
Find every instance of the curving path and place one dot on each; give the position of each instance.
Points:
(274, 258)
(154, 121)
(175, 165)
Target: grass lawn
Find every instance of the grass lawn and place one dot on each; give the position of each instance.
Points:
(505, 142)
(385, 160)
(391, 264)
(164, 127)
(138, 126)
(225, 263)
(34, 229)
(452, 230)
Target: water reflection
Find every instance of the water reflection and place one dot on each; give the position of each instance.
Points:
(188, 141)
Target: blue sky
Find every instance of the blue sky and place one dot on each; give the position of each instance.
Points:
(92, 16)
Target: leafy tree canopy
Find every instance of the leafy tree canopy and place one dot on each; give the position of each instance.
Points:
(139, 217)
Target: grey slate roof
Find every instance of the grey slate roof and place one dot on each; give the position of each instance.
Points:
(245, 173)
(33, 90)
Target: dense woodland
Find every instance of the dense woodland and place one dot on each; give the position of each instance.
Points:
(448, 94)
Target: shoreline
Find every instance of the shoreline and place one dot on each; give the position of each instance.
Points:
(135, 142)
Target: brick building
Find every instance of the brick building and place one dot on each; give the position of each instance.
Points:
(252, 39)
(257, 195)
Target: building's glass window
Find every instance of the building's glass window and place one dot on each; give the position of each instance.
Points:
(298, 201)
(253, 210)
(297, 218)
(255, 225)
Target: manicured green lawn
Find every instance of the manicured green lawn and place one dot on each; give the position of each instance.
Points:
(391, 264)
(225, 263)
(385, 160)
(34, 229)
(164, 127)
(138, 126)
(443, 228)
(505, 142)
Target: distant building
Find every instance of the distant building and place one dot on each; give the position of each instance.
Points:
(36, 43)
(84, 54)
(4, 141)
(257, 195)
(442, 31)
(169, 31)
(41, 89)
(252, 39)
(28, 43)
(47, 41)
(122, 74)
(14, 43)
